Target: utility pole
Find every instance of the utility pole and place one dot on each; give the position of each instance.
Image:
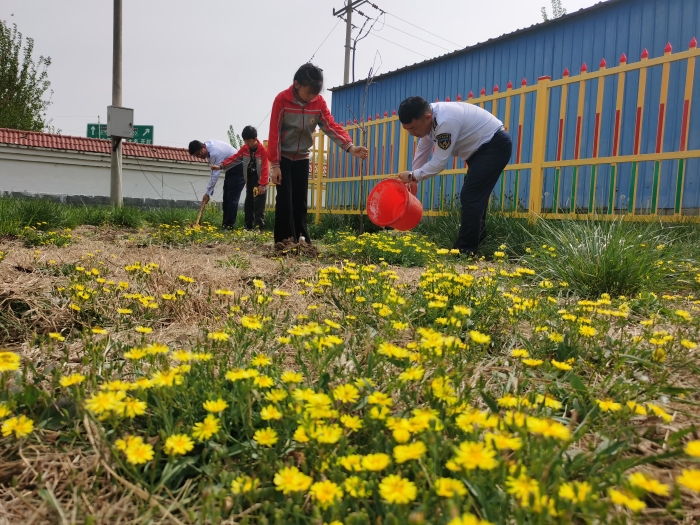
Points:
(347, 11)
(115, 188)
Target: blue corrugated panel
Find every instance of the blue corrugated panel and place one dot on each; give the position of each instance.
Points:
(605, 31)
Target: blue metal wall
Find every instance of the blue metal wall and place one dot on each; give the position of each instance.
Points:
(605, 31)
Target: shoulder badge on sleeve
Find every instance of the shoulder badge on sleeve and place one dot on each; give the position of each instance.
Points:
(444, 140)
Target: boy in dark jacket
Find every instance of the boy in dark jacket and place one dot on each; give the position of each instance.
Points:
(256, 170)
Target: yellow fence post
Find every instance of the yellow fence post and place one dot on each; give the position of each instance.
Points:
(403, 149)
(320, 163)
(539, 145)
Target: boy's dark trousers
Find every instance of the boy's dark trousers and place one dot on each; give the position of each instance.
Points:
(485, 167)
(254, 207)
(233, 187)
(290, 207)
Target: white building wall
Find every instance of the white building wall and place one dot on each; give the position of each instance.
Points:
(39, 171)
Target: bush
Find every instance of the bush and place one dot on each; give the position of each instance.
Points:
(614, 257)
(125, 217)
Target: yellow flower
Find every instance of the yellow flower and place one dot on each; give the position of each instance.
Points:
(270, 412)
(131, 407)
(519, 352)
(261, 360)
(124, 311)
(504, 441)
(266, 437)
(291, 377)
(4, 410)
(252, 323)
(104, 402)
(99, 331)
(660, 412)
(143, 329)
(412, 374)
(218, 336)
(576, 492)
(690, 479)
(375, 462)
(9, 361)
(243, 484)
(548, 428)
(449, 487)
(352, 462)
(560, 365)
(608, 405)
(380, 398)
(264, 381)
(468, 519)
(347, 393)
(325, 493)
(625, 500)
(186, 279)
(472, 455)
(178, 444)
(351, 422)
(355, 487)
(649, 484)
(207, 428)
(300, 435)
(479, 338)
(522, 488)
(587, 331)
(73, 379)
(56, 336)
(139, 453)
(290, 479)
(413, 451)
(215, 406)
(692, 448)
(135, 354)
(276, 395)
(532, 362)
(395, 489)
(19, 426)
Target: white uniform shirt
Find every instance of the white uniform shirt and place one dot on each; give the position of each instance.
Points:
(217, 151)
(458, 130)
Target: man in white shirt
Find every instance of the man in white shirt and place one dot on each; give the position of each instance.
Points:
(456, 129)
(215, 151)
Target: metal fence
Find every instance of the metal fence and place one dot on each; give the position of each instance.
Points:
(606, 143)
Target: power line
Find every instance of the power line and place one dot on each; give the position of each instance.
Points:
(387, 40)
(414, 25)
(324, 41)
(409, 34)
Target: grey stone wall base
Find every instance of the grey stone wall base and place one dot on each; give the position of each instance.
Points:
(96, 200)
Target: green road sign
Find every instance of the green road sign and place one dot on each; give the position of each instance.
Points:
(142, 134)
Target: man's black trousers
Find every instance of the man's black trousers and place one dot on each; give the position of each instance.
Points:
(485, 167)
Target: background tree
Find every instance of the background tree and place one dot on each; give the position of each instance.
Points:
(235, 139)
(23, 83)
(557, 11)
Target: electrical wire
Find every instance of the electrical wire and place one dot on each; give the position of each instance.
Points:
(324, 41)
(387, 40)
(414, 25)
(407, 33)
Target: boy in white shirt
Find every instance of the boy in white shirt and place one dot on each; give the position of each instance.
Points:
(456, 129)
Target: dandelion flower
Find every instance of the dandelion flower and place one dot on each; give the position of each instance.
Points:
(266, 437)
(143, 329)
(449, 487)
(347, 393)
(270, 412)
(649, 484)
(608, 405)
(206, 428)
(479, 338)
(692, 448)
(291, 377)
(626, 500)
(218, 336)
(325, 493)
(395, 489)
(19, 426)
(587, 331)
(413, 451)
(9, 361)
(560, 365)
(73, 379)
(138, 454)
(131, 407)
(218, 405)
(178, 444)
(290, 479)
(375, 462)
(690, 479)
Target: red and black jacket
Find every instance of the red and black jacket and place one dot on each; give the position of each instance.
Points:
(246, 155)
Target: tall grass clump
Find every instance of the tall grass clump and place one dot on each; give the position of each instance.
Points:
(614, 257)
(125, 217)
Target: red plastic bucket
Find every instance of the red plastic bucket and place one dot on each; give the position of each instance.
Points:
(391, 204)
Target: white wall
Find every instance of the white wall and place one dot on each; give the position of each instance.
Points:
(72, 173)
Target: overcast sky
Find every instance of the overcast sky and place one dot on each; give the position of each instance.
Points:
(192, 68)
